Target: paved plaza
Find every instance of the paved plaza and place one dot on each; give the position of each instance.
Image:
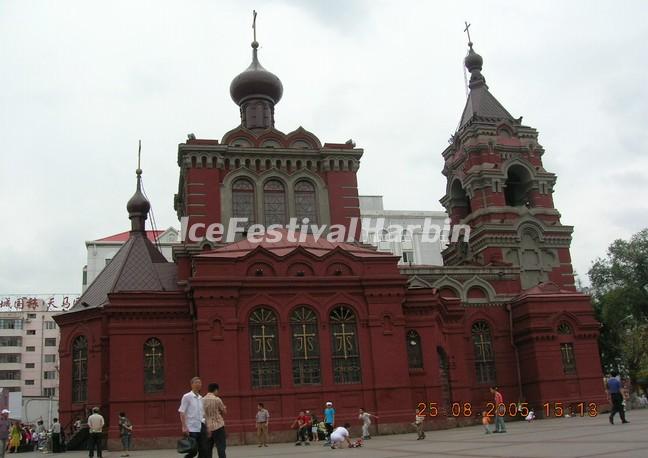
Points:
(557, 437)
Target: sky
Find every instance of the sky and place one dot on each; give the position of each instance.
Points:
(82, 81)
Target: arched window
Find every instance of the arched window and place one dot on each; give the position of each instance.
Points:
(274, 202)
(80, 369)
(153, 366)
(346, 355)
(484, 359)
(305, 347)
(264, 348)
(518, 187)
(567, 356)
(414, 350)
(243, 200)
(305, 203)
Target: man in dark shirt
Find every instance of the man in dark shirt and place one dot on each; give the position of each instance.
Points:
(614, 390)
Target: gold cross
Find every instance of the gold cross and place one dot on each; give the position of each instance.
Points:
(344, 342)
(152, 358)
(481, 345)
(264, 342)
(305, 341)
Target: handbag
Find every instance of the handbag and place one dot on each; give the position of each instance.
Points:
(187, 445)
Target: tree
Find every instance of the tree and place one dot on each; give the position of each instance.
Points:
(620, 295)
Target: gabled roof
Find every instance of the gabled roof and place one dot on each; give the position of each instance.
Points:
(137, 266)
(317, 246)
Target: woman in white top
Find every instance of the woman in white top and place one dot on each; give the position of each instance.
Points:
(340, 435)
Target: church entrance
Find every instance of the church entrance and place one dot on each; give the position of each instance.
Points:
(444, 378)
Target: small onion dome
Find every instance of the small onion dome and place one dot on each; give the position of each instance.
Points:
(473, 61)
(256, 82)
(138, 205)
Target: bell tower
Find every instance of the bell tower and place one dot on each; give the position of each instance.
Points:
(497, 185)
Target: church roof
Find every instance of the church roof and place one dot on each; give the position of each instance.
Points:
(481, 104)
(137, 266)
(318, 246)
(124, 236)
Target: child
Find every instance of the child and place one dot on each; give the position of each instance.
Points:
(315, 428)
(418, 424)
(530, 417)
(486, 422)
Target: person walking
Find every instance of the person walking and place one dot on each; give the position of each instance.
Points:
(125, 433)
(56, 436)
(329, 421)
(192, 418)
(5, 426)
(366, 422)
(262, 419)
(42, 435)
(614, 388)
(95, 437)
(500, 410)
(214, 411)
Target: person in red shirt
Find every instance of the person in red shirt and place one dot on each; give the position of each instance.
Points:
(500, 410)
(303, 423)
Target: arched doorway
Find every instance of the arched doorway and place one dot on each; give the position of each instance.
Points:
(444, 377)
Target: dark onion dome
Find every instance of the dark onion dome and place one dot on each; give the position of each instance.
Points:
(473, 61)
(138, 206)
(256, 82)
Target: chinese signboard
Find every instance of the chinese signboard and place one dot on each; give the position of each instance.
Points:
(40, 302)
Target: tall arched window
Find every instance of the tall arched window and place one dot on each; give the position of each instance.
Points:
(305, 203)
(153, 366)
(305, 347)
(274, 202)
(484, 359)
(264, 348)
(567, 356)
(80, 369)
(414, 350)
(243, 200)
(346, 354)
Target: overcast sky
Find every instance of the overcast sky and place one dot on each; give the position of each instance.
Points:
(82, 81)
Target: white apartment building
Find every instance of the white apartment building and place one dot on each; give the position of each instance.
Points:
(29, 340)
(101, 251)
(411, 245)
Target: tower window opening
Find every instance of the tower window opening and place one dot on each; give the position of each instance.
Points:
(517, 189)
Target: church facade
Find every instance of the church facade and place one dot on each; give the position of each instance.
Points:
(297, 323)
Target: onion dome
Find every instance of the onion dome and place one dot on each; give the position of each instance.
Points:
(138, 206)
(256, 83)
(473, 63)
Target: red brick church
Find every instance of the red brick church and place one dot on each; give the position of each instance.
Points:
(296, 324)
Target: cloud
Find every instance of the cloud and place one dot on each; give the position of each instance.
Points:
(83, 81)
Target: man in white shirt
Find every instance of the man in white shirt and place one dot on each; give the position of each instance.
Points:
(340, 435)
(192, 418)
(96, 424)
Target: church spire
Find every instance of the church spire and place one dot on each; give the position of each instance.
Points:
(481, 105)
(138, 206)
(256, 91)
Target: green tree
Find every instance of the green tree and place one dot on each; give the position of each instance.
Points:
(620, 295)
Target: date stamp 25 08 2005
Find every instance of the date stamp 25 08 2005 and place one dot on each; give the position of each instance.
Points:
(466, 409)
